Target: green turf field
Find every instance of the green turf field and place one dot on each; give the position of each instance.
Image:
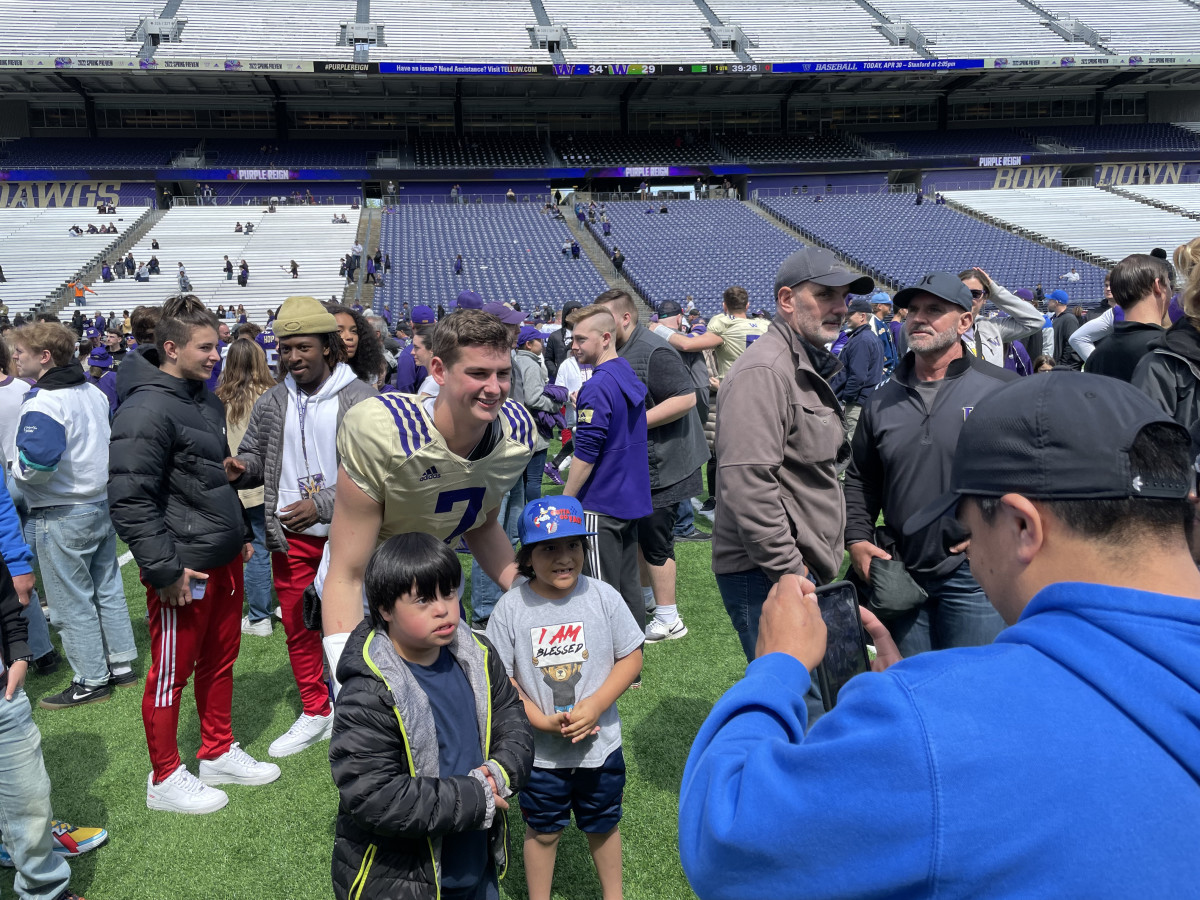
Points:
(275, 841)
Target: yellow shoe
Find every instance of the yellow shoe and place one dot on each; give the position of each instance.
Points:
(72, 840)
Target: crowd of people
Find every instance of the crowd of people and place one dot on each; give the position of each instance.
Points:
(338, 461)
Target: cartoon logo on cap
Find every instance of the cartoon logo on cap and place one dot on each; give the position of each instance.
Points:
(548, 518)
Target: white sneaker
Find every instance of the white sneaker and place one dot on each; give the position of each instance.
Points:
(565, 464)
(261, 628)
(277, 612)
(305, 731)
(658, 630)
(183, 792)
(236, 766)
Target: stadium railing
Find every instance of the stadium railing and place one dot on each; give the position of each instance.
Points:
(278, 200)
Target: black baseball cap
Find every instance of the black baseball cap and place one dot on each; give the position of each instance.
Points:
(1056, 436)
(569, 307)
(857, 305)
(819, 265)
(940, 284)
(669, 308)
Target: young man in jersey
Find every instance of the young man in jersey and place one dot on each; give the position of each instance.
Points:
(610, 474)
(267, 340)
(445, 473)
(727, 335)
(290, 448)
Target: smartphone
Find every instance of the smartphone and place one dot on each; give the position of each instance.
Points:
(198, 586)
(845, 646)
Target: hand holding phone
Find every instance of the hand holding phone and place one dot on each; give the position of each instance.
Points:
(791, 622)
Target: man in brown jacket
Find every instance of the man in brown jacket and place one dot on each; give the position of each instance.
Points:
(779, 511)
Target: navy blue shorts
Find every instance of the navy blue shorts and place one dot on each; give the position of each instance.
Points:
(594, 795)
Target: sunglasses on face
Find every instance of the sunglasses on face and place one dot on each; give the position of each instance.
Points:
(977, 293)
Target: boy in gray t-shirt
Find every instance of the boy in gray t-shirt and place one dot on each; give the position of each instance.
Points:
(571, 647)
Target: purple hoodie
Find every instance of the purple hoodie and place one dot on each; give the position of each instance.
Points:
(611, 434)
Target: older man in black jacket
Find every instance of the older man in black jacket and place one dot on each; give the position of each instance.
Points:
(901, 456)
(172, 503)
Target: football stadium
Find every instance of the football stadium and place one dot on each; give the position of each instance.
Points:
(392, 156)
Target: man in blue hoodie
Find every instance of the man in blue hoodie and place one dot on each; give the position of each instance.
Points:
(1062, 760)
(610, 474)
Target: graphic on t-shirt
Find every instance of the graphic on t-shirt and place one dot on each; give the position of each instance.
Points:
(560, 652)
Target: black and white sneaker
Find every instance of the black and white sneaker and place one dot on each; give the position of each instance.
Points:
(76, 695)
(694, 536)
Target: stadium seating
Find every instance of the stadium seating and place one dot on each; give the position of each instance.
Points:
(1153, 26)
(201, 237)
(39, 254)
(70, 28)
(511, 252)
(1184, 197)
(479, 150)
(309, 154)
(700, 247)
(776, 148)
(817, 29)
(1101, 138)
(1086, 219)
(978, 28)
(113, 153)
(299, 29)
(583, 149)
(453, 31)
(635, 31)
(981, 141)
(888, 236)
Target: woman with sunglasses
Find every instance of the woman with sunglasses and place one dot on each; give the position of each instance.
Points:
(987, 337)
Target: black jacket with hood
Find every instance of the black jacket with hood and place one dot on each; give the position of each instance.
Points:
(902, 454)
(1170, 374)
(394, 809)
(168, 495)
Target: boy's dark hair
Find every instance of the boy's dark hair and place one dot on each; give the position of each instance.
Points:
(405, 563)
(181, 315)
(1134, 276)
(142, 322)
(468, 328)
(525, 557)
(736, 298)
(1160, 452)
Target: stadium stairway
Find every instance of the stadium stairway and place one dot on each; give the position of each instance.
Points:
(589, 245)
(359, 291)
(117, 249)
(760, 210)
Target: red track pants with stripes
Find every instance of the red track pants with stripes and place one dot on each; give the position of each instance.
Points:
(202, 637)
(294, 571)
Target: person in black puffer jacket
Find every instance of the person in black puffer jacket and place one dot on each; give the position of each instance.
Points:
(422, 773)
(171, 502)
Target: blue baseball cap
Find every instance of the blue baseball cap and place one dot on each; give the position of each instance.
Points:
(505, 314)
(468, 300)
(529, 333)
(90, 332)
(100, 358)
(879, 298)
(423, 315)
(549, 518)
(1059, 296)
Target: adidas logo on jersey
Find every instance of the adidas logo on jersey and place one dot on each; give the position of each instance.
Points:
(430, 474)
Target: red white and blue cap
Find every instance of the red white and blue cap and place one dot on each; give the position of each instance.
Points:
(550, 518)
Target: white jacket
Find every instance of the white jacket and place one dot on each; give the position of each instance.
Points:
(62, 446)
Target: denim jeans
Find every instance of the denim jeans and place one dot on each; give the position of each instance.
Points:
(685, 518)
(533, 476)
(77, 550)
(744, 594)
(957, 614)
(258, 570)
(484, 591)
(25, 804)
(35, 616)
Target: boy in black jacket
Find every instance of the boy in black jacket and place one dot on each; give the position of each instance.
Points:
(429, 740)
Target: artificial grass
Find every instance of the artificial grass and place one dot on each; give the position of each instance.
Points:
(276, 840)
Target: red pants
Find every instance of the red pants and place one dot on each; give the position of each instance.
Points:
(293, 572)
(202, 637)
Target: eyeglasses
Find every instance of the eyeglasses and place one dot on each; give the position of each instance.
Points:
(976, 293)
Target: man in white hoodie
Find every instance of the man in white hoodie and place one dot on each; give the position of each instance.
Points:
(290, 447)
(62, 470)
